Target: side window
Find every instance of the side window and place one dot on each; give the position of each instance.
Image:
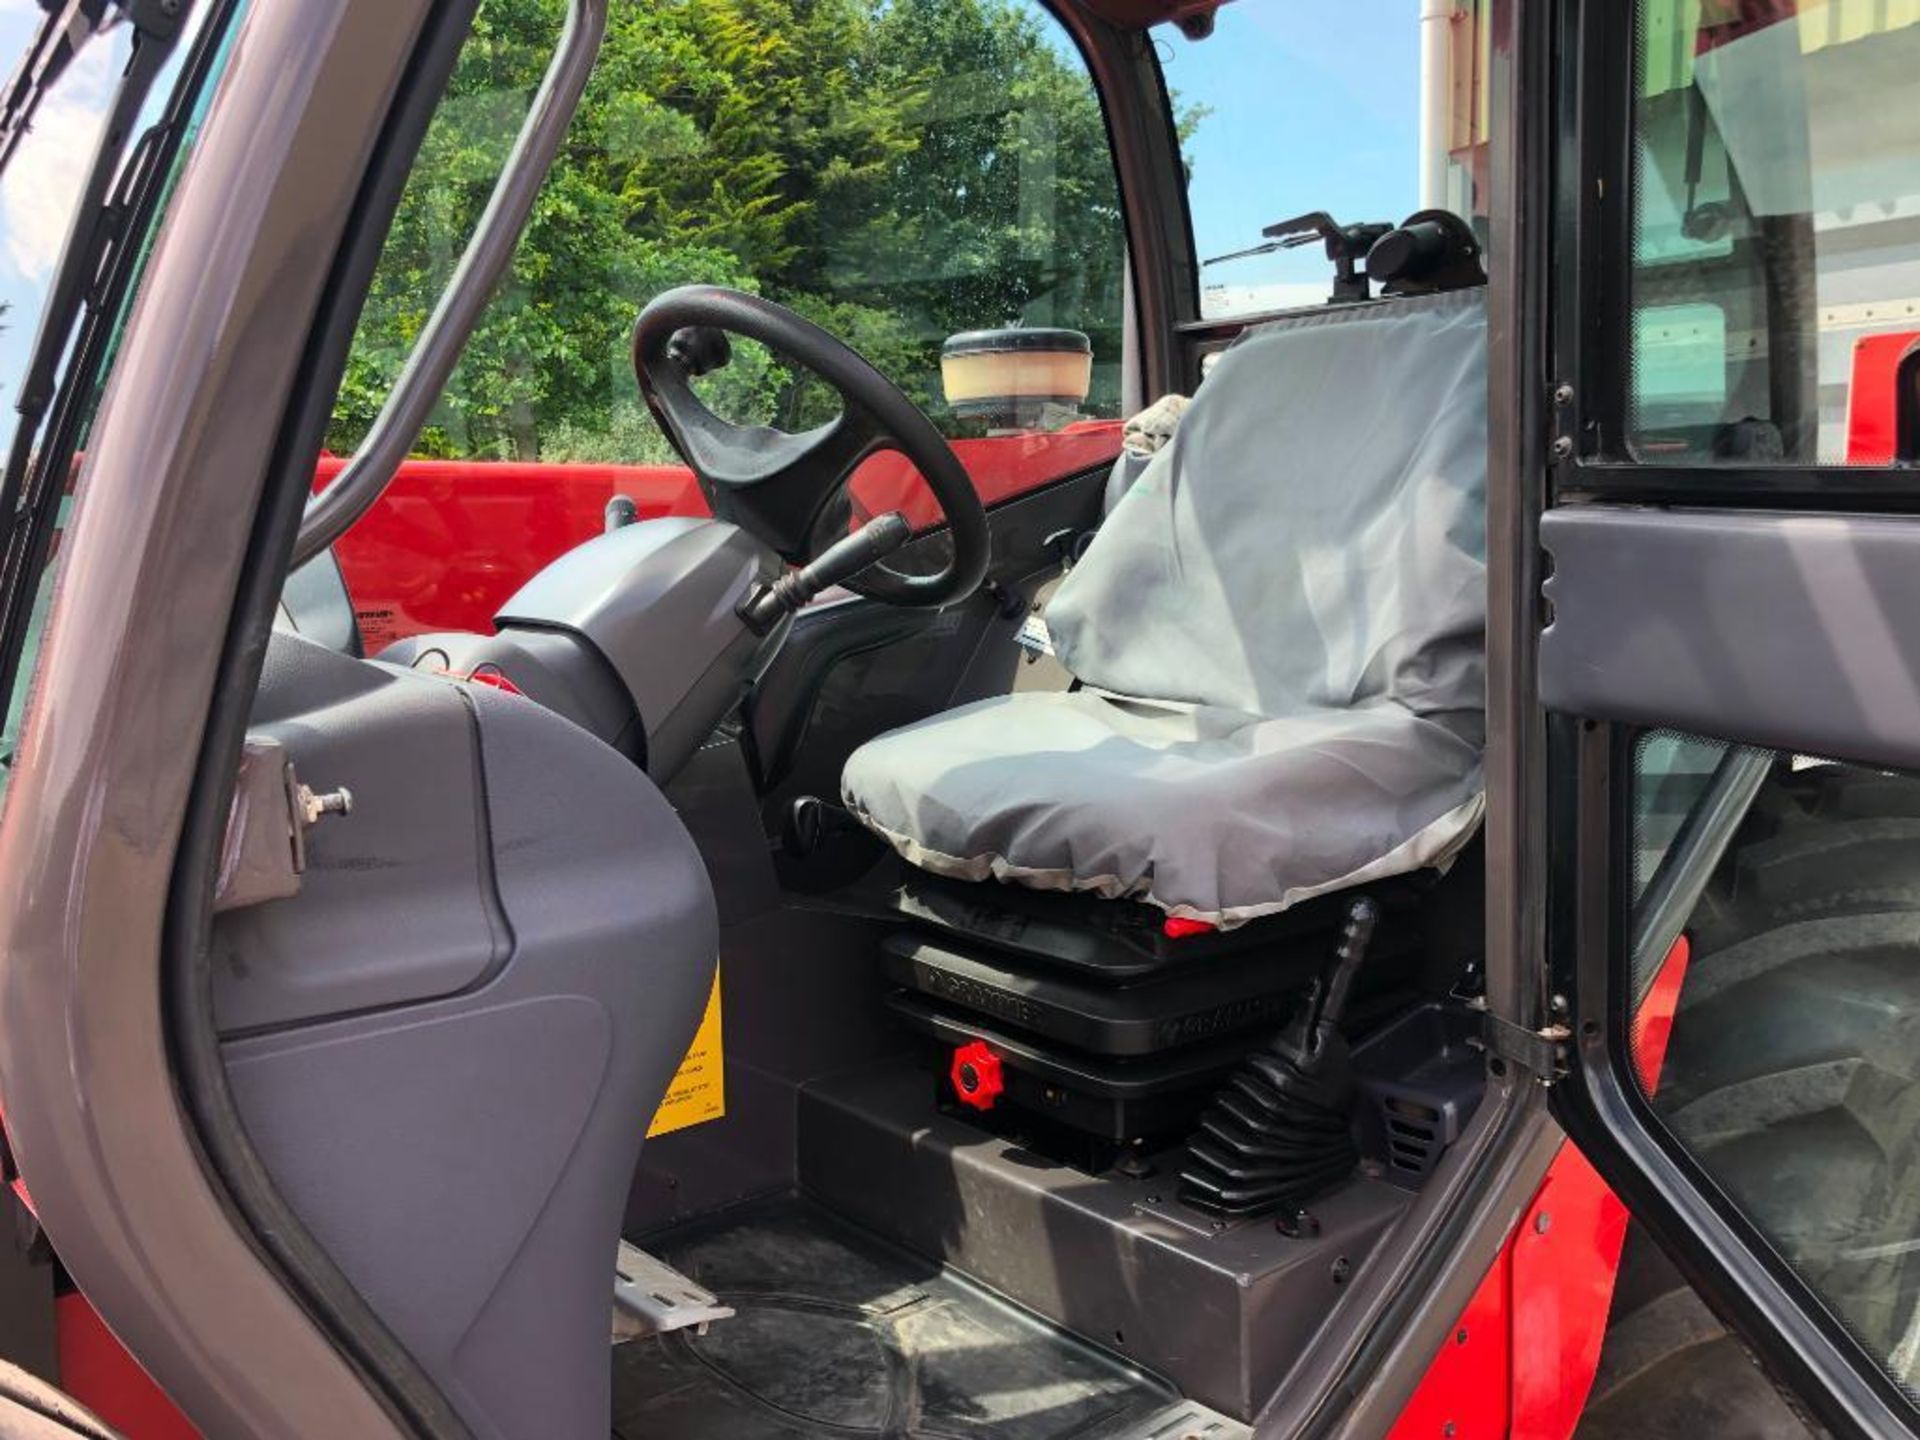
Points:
(1776, 231)
(1343, 133)
(931, 183)
(1791, 1075)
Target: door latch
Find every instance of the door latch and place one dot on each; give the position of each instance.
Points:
(264, 851)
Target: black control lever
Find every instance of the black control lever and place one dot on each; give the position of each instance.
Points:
(1280, 1129)
(842, 560)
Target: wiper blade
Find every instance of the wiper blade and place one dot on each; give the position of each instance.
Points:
(69, 26)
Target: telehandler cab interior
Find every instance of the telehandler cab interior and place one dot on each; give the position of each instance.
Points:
(762, 718)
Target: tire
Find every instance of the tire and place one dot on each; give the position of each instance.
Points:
(1793, 1074)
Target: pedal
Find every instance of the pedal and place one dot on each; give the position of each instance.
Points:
(650, 1297)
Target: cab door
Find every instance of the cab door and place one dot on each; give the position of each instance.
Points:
(1729, 662)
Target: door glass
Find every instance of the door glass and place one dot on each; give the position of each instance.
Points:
(1776, 230)
(1793, 1070)
(900, 173)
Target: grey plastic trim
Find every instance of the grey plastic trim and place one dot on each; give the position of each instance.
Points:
(1783, 630)
(660, 601)
(333, 511)
(164, 507)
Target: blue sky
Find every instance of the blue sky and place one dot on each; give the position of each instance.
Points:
(39, 189)
(1315, 107)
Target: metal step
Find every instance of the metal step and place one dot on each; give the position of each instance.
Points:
(650, 1297)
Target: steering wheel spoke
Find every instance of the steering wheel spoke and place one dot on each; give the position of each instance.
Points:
(790, 489)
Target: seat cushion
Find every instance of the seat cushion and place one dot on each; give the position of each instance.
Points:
(1206, 812)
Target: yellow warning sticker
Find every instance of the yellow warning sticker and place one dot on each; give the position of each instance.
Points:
(698, 1091)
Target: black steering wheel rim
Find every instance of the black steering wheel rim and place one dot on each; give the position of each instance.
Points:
(790, 489)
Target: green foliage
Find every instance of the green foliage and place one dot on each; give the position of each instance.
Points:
(896, 170)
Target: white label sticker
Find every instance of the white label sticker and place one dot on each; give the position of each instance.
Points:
(1032, 635)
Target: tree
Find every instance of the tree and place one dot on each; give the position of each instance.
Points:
(896, 170)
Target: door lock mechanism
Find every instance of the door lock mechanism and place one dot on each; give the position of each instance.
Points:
(264, 852)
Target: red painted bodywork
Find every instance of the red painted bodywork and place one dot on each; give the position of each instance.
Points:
(96, 1370)
(1524, 1352)
(1873, 397)
(451, 540)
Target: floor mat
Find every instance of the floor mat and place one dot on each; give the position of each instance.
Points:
(839, 1335)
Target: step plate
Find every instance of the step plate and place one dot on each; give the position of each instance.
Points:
(650, 1297)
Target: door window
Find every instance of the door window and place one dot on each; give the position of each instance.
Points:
(1728, 336)
(1792, 1075)
(1776, 230)
(902, 174)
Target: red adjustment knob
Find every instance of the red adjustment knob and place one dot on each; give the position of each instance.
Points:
(1179, 927)
(976, 1075)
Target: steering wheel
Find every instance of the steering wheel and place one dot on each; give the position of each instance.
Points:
(790, 490)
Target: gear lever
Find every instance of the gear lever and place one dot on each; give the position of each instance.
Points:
(1279, 1131)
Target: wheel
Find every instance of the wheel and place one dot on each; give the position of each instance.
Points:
(1792, 1075)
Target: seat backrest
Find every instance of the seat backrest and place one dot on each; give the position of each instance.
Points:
(1314, 535)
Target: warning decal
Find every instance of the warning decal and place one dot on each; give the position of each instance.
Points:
(698, 1090)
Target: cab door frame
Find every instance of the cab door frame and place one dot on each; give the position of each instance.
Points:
(183, 471)
(1639, 549)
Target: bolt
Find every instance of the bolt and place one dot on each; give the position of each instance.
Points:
(1542, 1223)
(1563, 395)
(1449, 1428)
(1460, 1336)
(1562, 447)
(313, 806)
(1342, 1268)
(1219, 1224)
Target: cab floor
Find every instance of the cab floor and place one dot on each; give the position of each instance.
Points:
(838, 1334)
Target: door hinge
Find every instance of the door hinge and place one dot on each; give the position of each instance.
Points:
(1542, 1053)
(264, 851)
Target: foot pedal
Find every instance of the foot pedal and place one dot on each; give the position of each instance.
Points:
(650, 1297)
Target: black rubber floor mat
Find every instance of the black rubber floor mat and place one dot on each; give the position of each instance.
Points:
(838, 1335)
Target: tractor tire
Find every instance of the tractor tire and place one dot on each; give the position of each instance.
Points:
(1793, 1074)
(1671, 1371)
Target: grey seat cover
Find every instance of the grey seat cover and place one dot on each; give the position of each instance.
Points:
(1281, 634)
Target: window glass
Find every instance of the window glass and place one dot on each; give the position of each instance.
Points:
(1286, 109)
(1672, 779)
(40, 195)
(1776, 230)
(898, 171)
(1792, 1073)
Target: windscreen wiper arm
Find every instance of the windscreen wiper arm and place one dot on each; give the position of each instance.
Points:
(69, 25)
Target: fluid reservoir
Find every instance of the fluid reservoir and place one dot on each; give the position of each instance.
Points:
(1011, 377)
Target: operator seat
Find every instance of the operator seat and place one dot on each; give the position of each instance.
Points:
(1279, 638)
